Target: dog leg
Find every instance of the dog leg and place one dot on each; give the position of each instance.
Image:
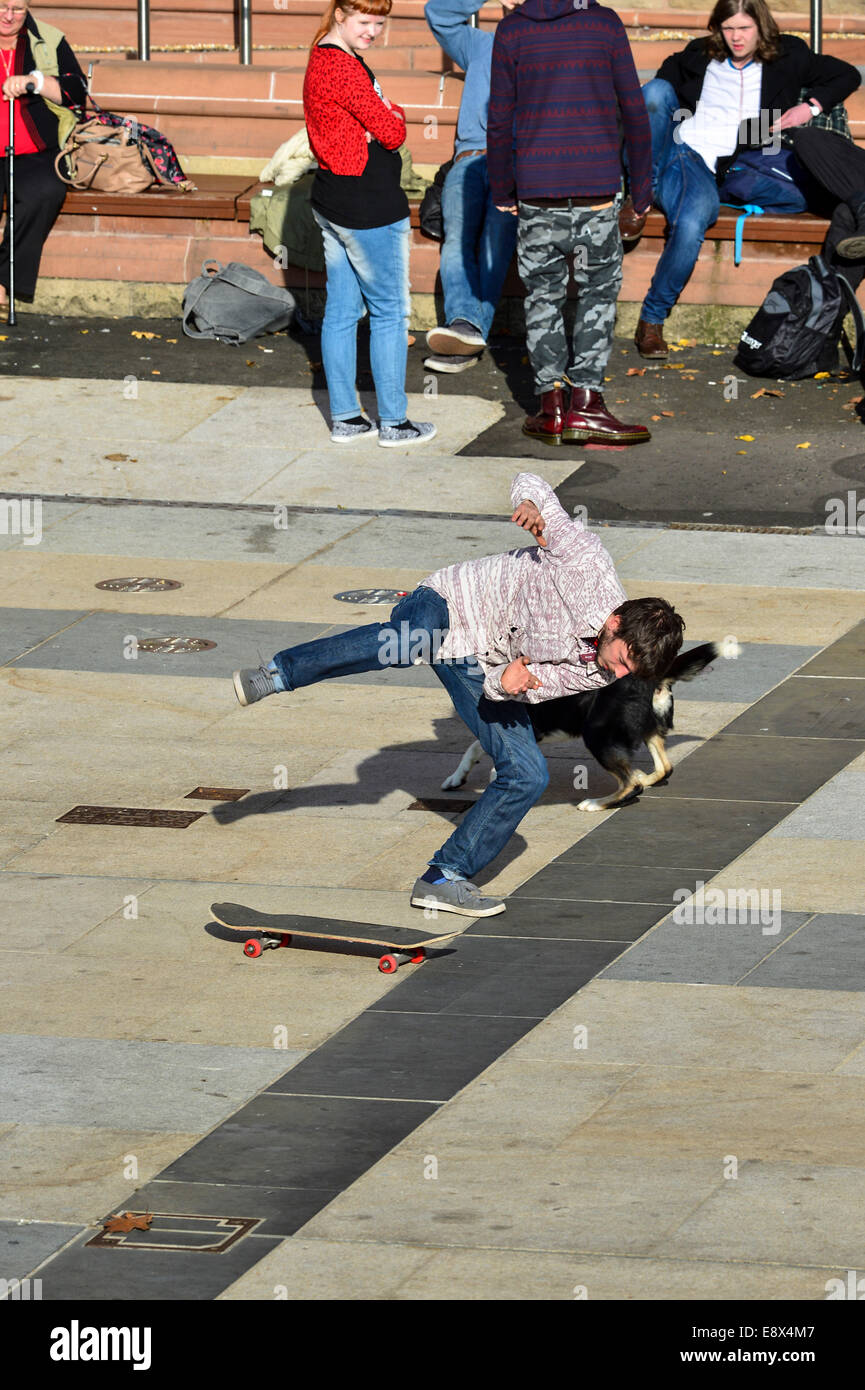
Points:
(663, 766)
(630, 784)
(472, 755)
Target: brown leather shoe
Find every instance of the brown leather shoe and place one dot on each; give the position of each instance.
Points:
(650, 340)
(630, 225)
(588, 421)
(547, 424)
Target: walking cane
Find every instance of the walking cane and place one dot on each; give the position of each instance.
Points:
(10, 205)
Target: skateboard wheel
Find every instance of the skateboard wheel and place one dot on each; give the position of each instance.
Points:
(252, 947)
(285, 940)
(388, 964)
(418, 957)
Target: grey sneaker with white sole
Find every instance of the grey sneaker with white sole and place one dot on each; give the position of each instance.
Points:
(398, 436)
(252, 684)
(455, 895)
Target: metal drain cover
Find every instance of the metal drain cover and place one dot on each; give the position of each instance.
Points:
(167, 645)
(371, 595)
(134, 585)
(218, 793)
(129, 815)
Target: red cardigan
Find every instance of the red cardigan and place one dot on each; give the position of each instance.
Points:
(340, 104)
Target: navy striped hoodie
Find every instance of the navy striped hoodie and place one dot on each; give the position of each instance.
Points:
(561, 70)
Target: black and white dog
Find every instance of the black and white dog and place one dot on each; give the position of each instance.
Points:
(614, 722)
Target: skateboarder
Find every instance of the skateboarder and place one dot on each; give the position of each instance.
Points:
(500, 632)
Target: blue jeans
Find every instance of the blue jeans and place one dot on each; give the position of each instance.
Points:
(684, 186)
(416, 627)
(478, 246)
(366, 267)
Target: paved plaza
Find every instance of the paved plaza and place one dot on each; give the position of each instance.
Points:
(644, 1081)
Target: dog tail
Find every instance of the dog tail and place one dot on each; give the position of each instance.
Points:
(691, 663)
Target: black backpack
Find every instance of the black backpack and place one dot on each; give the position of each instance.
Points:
(796, 330)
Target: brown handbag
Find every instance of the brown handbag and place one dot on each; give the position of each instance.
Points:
(104, 159)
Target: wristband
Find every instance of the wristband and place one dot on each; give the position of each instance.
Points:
(38, 77)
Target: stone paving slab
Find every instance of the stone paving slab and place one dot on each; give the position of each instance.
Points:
(337, 1270)
(76, 1173)
(112, 1081)
(25, 1244)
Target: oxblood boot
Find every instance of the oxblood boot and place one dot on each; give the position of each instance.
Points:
(547, 424)
(588, 421)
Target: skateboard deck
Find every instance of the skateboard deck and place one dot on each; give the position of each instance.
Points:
(401, 945)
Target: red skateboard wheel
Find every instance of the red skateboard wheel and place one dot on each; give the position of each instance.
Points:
(252, 947)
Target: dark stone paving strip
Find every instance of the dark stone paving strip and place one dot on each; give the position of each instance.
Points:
(846, 657)
(328, 1119)
(754, 768)
(297, 1140)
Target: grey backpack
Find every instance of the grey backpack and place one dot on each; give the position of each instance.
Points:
(234, 303)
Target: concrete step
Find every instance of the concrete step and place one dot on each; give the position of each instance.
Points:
(233, 111)
(289, 24)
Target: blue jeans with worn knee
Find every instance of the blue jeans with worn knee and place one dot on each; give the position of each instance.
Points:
(478, 246)
(366, 267)
(684, 187)
(414, 632)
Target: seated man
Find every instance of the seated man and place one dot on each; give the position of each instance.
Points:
(740, 85)
(499, 632)
(479, 240)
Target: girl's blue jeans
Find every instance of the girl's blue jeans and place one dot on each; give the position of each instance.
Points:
(367, 268)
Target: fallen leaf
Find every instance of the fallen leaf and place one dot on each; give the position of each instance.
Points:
(155, 372)
(749, 438)
(687, 342)
(741, 451)
(669, 413)
(139, 333)
(822, 376)
(636, 371)
(171, 340)
(81, 330)
(674, 366)
(716, 352)
(656, 417)
(765, 391)
(128, 1222)
(117, 458)
(807, 445)
(849, 405)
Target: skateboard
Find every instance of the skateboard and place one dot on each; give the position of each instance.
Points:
(279, 929)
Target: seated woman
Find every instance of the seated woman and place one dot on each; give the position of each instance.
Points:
(34, 53)
(357, 201)
(744, 71)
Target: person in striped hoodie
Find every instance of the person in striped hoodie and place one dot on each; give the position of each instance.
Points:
(562, 74)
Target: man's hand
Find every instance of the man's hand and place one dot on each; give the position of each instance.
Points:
(509, 207)
(518, 678)
(528, 516)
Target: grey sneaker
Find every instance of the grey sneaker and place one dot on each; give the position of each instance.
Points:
(348, 431)
(451, 363)
(459, 336)
(455, 895)
(397, 436)
(251, 685)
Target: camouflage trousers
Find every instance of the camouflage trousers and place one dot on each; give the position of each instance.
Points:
(546, 237)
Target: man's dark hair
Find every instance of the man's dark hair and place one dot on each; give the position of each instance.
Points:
(652, 630)
(768, 42)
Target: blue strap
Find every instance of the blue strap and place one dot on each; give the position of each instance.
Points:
(746, 211)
